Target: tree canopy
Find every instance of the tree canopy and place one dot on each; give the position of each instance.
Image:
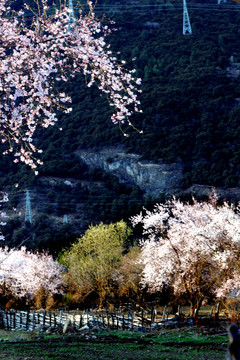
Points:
(93, 259)
(53, 47)
(194, 248)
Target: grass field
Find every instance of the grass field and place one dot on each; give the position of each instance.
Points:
(171, 344)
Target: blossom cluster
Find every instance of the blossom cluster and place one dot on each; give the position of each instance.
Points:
(24, 272)
(54, 48)
(193, 247)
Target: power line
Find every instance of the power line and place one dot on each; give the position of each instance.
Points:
(145, 8)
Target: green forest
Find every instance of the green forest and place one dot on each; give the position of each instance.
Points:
(191, 113)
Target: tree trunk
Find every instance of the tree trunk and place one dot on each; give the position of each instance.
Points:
(195, 305)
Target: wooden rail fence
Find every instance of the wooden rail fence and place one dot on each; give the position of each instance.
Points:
(120, 318)
(43, 320)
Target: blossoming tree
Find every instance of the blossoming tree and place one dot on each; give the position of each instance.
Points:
(24, 272)
(194, 248)
(54, 47)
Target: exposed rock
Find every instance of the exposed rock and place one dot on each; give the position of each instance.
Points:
(130, 169)
(230, 194)
(152, 178)
(233, 71)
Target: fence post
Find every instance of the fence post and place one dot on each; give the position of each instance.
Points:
(103, 321)
(1, 319)
(93, 319)
(112, 316)
(131, 314)
(20, 320)
(50, 318)
(33, 319)
(107, 319)
(60, 318)
(11, 326)
(27, 319)
(87, 316)
(10, 320)
(123, 321)
(81, 320)
(54, 320)
(152, 315)
(44, 317)
(117, 320)
(216, 315)
(6, 313)
(14, 319)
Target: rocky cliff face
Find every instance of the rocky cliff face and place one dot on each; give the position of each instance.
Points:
(150, 177)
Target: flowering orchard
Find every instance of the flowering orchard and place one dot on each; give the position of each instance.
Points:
(23, 273)
(193, 248)
(54, 47)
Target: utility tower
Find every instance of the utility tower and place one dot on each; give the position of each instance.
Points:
(65, 219)
(187, 29)
(71, 14)
(28, 211)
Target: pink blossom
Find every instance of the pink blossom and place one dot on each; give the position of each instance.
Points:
(195, 248)
(25, 272)
(33, 58)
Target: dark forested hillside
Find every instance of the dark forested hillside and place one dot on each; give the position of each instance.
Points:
(190, 97)
(191, 112)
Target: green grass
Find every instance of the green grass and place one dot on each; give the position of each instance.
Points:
(170, 344)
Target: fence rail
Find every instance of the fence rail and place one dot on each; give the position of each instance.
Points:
(33, 320)
(117, 319)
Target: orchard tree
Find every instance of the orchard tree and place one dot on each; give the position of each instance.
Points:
(24, 273)
(129, 276)
(44, 45)
(195, 248)
(54, 46)
(92, 261)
